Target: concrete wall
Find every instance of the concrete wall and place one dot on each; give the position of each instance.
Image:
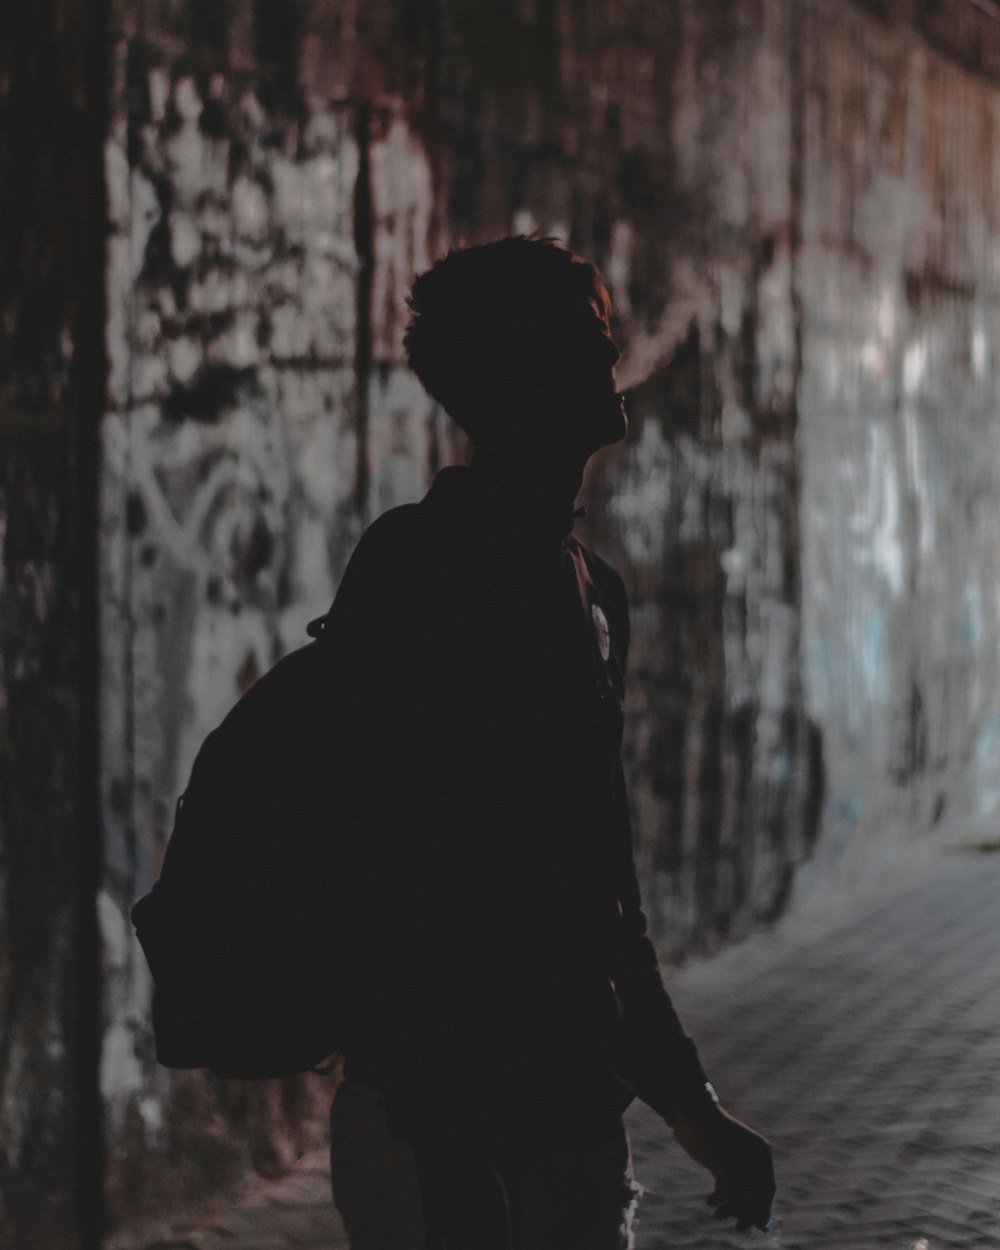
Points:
(274, 180)
(263, 228)
(791, 201)
(268, 211)
(898, 434)
(51, 364)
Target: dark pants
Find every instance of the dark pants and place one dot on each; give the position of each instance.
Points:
(398, 1195)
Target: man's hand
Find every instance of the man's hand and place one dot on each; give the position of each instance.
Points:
(740, 1162)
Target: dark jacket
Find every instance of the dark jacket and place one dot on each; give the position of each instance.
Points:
(505, 982)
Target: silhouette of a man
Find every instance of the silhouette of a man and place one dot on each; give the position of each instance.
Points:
(508, 1003)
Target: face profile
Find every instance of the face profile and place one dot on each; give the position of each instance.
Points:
(595, 411)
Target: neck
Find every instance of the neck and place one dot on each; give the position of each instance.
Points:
(532, 496)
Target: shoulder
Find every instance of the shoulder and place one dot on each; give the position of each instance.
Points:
(381, 590)
(384, 553)
(391, 536)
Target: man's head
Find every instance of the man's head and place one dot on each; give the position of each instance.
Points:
(512, 339)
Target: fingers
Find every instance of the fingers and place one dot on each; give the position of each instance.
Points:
(744, 1220)
(747, 1214)
(745, 1182)
(727, 1210)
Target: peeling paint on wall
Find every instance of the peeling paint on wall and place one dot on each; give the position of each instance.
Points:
(898, 431)
(794, 204)
(260, 417)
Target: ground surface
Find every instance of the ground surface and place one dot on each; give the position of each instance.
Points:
(861, 1034)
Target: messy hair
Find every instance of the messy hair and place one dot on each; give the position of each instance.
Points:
(482, 318)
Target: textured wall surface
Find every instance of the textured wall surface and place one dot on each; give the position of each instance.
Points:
(272, 187)
(793, 203)
(258, 419)
(901, 209)
(51, 365)
(789, 201)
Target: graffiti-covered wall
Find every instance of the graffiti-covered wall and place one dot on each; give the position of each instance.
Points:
(793, 204)
(790, 203)
(263, 231)
(898, 428)
(274, 180)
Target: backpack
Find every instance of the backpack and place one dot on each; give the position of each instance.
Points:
(246, 928)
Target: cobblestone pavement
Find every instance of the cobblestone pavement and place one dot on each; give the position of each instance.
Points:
(861, 1034)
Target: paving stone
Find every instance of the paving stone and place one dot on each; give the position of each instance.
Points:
(861, 1035)
(887, 1123)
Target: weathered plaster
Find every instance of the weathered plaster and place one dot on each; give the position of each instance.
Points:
(794, 204)
(255, 427)
(898, 432)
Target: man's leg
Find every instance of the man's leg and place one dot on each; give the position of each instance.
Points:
(418, 1189)
(464, 1196)
(575, 1199)
(373, 1174)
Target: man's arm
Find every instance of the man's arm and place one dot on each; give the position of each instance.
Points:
(662, 1063)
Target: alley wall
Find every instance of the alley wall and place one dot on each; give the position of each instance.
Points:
(794, 204)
